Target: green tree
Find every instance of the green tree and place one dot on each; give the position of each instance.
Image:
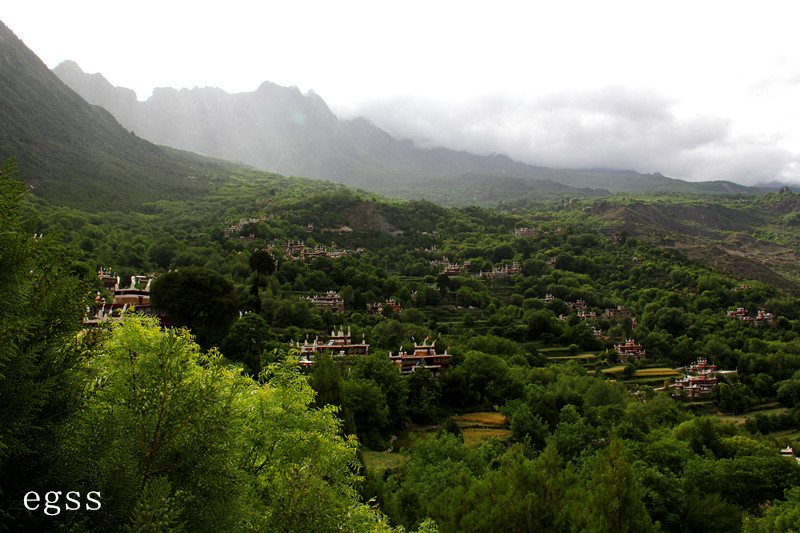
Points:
(326, 380)
(528, 427)
(199, 299)
(246, 341)
(615, 503)
(41, 305)
(524, 495)
(424, 395)
(171, 434)
(158, 409)
(783, 515)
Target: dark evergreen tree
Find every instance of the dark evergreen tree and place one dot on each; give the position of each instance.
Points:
(41, 306)
(615, 504)
(199, 299)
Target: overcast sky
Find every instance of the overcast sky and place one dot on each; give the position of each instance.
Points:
(694, 90)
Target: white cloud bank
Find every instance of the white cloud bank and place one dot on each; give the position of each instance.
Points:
(614, 127)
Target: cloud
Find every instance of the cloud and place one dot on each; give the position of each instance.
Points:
(614, 127)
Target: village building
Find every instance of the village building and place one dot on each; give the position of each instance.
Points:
(700, 379)
(741, 313)
(330, 301)
(630, 350)
(423, 356)
(135, 297)
(579, 305)
(788, 452)
(340, 344)
(620, 313)
(503, 271)
(451, 270)
(762, 317)
(526, 232)
(107, 279)
(377, 308)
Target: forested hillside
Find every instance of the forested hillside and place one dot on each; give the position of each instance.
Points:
(190, 345)
(78, 154)
(536, 424)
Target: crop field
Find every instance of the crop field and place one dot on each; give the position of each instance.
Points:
(381, 461)
(742, 418)
(656, 373)
(581, 357)
(484, 419)
(477, 427)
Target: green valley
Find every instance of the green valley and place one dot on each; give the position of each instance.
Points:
(188, 344)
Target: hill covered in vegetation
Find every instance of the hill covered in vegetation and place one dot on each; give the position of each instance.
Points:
(527, 315)
(561, 332)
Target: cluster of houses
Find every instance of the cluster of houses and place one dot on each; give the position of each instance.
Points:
(451, 269)
(526, 232)
(375, 309)
(341, 344)
(235, 229)
(456, 269)
(762, 317)
(700, 379)
(298, 251)
(502, 271)
(135, 296)
(330, 301)
(333, 302)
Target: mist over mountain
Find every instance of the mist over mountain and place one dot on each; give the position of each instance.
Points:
(281, 130)
(76, 153)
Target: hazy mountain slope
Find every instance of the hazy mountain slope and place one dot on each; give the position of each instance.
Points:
(74, 152)
(281, 130)
(755, 239)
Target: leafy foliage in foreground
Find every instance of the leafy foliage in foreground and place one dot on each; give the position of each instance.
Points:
(235, 454)
(41, 305)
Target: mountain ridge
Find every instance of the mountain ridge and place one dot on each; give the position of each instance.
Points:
(77, 153)
(281, 130)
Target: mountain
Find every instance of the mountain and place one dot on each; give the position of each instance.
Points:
(752, 239)
(281, 130)
(76, 153)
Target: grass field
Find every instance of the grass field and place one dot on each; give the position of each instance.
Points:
(381, 461)
(474, 436)
(485, 419)
(580, 357)
(742, 418)
(656, 373)
(477, 427)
